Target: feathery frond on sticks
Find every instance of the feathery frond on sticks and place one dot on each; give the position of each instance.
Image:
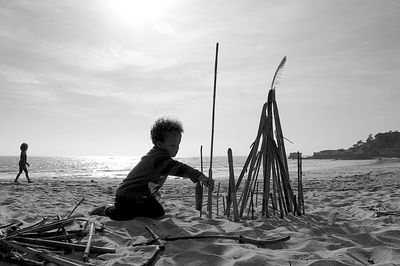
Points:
(277, 73)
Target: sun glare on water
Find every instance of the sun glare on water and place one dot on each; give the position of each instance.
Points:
(136, 12)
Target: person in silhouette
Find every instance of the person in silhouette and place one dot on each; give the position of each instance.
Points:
(138, 193)
(23, 163)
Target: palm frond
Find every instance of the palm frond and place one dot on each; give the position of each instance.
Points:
(277, 72)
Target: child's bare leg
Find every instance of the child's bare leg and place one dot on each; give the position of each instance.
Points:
(16, 178)
(27, 176)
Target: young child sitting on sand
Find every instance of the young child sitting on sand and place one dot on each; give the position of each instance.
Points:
(23, 163)
(136, 195)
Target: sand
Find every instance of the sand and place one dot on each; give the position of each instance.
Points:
(339, 227)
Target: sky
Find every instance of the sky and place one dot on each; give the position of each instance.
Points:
(91, 77)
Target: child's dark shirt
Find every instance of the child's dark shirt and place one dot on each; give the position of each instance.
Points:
(147, 177)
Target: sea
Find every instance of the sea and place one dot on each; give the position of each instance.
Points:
(92, 167)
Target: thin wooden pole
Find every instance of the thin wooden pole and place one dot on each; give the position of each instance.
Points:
(223, 204)
(209, 203)
(300, 184)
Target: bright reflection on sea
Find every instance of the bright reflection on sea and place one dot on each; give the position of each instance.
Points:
(92, 167)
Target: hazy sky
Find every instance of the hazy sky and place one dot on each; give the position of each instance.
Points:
(90, 77)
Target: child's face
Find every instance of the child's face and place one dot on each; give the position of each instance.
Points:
(171, 143)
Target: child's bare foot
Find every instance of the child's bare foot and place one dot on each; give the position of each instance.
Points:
(16, 182)
(30, 181)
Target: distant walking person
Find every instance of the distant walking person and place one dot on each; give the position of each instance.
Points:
(23, 163)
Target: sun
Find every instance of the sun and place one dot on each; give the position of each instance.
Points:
(137, 12)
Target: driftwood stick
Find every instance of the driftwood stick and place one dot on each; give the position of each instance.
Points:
(156, 238)
(64, 231)
(219, 184)
(59, 244)
(199, 186)
(79, 203)
(209, 201)
(257, 192)
(89, 243)
(387, 213)
(223, 203)
(267, 165)
(68, 237)
(10, 225)
(240, 239)
(38, 254)
(232, 187)
(153, 257)
(52, 234)
(41, 228)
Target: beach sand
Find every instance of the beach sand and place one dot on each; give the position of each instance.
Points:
(339, 227)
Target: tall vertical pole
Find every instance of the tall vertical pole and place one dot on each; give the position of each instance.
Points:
(209, 203)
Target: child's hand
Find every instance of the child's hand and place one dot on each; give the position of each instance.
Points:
(28, 164)
(207, 181)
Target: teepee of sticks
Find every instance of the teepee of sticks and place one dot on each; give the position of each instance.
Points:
(267, 160)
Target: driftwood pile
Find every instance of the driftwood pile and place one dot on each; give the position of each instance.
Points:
(267, 158)
(48, 241)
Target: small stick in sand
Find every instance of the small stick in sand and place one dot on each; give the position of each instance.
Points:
(153, 257)
(79, 203)
(199, 187)
(387, 213)
(65, 233)
(219, 184)
(223, 203)
(156, 238)
(89, 243)
(232, 187)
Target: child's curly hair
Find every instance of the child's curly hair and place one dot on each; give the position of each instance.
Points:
(162, 126)
(23, 147)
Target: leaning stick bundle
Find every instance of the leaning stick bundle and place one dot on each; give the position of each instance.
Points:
(245, 192)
